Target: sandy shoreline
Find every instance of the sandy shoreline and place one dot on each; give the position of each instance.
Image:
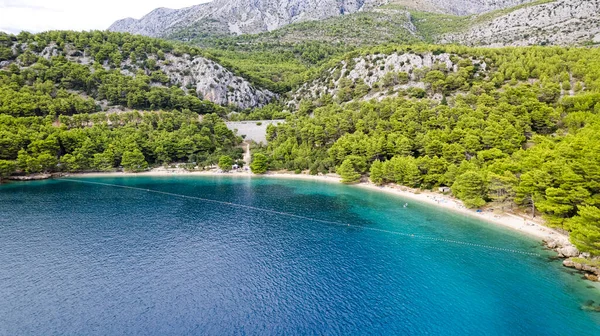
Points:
(514, 222)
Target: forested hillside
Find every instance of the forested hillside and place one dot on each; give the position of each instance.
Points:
(69, 102)
(279, 59)
(103, 142)
(116, 71)
(512, 127)
(362, 28)
(504, 127)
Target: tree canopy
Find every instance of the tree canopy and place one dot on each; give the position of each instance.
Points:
(102, 142)
(525, 134)
(512, 127)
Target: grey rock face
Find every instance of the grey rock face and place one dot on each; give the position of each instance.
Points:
(214, 82)
(552, 244)
(255, 16)
(568, 252)
(159, 21)
(591, 273)
(372, 69)
(241, 16)
(560, 22)
(563, 22)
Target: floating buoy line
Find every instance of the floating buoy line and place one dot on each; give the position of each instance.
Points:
(287, 214)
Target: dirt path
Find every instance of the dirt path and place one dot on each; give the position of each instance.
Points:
(247, 154)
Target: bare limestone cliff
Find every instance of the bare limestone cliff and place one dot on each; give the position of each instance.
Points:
(255, 16)
(214, 82)
(241, 16)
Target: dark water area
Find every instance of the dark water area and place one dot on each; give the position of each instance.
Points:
(87, 259)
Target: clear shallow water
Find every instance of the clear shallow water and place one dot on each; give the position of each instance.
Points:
(83, 259)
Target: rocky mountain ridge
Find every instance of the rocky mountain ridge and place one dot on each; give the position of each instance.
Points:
(254, 16)
(562, 22)
(240, 16)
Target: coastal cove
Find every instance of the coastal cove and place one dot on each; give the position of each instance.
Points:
(524, 225)
(271, 255)
(300, 167)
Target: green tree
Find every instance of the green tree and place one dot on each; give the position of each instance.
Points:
(260, 163)
(104, 161)
(502, 188)
(225, 163)
(585, 229)
(348, 172)
(376, 175)
(532, 188)
(134, 161)
(7, 168)
(470, 188)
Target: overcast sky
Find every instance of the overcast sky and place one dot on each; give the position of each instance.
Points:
(42, 15)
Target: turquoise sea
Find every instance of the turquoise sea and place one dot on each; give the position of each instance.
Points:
(260, 256)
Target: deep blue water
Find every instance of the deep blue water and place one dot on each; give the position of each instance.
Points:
(88, 259)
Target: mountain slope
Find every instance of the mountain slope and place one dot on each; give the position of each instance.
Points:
(401, 73)
(240, 16)
(362, 28)
(124, 71)
(370, 22)
(458, 7)
(562, 22)
(554, 22)
(225, 17)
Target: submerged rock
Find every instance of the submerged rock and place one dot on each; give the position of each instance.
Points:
(590, 305)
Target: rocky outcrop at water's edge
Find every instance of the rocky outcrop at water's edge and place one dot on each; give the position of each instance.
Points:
(582, 262)
(590, 272)
(573, 258)
(34, 177)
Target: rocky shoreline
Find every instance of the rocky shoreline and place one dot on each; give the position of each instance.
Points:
(575, 259)
(34, 177)
(591, 273)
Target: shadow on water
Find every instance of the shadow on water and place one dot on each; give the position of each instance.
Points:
(591, 306)
(570, 271)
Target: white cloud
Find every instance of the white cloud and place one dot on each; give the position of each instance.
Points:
(42, 15)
